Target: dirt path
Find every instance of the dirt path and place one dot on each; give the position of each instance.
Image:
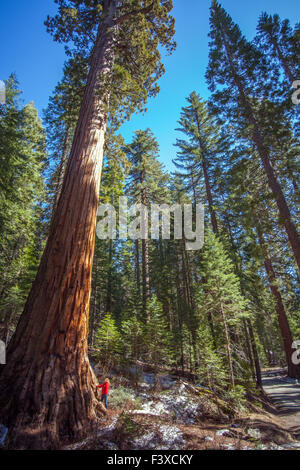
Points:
(285, 393)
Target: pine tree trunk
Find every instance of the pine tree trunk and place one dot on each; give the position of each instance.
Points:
(293, 369)
(249, 349)
(137, 266)
(255, 354)
(109, 280)
(193, 320)
(213, 217)
(47, 388)
(145, 255)
(274, 185)
(179, 313)
(212, 213)
(228, 348)
(146, 276)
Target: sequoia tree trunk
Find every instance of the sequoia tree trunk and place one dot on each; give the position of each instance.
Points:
(62, 169)
(47, 388)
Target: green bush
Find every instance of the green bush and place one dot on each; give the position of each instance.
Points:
(121, 397)
(236, 397)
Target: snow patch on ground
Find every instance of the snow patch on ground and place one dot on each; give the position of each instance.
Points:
(292, 445)
(228, 447)
(145, 442)
(179, 405)
(224, 432)
(107, 429)
(172, 437)
(164, 438)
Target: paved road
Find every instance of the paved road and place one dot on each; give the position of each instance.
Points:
(285, 392)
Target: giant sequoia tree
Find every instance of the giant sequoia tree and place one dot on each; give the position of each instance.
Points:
(61, 117)
(47, 386)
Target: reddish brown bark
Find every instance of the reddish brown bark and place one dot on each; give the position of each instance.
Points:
(94, 301)
(47, 388)
(62, 169)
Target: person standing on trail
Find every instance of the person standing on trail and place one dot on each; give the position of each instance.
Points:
(105, 389)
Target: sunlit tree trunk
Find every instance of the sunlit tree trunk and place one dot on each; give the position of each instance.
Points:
(62, 169)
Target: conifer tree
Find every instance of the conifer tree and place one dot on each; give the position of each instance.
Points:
(50, 344)
(22, 195)
(133, 342)
(108, 341)
(199, 152)
(157, 338)
(60, 118)
(233, 63)
(258, 219)
(279, 41)
(145, 186)
(222, 295)
(252, 204)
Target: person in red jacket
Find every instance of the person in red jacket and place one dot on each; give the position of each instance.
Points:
(105, 389)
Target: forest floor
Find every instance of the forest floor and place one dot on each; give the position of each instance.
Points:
(180, 416)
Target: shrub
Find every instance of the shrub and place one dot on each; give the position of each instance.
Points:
(121, 397)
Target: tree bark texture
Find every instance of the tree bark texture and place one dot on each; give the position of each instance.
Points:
(47, 388)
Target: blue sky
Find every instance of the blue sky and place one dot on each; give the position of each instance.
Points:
(29, 51)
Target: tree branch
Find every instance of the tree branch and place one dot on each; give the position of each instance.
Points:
(133, 13)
